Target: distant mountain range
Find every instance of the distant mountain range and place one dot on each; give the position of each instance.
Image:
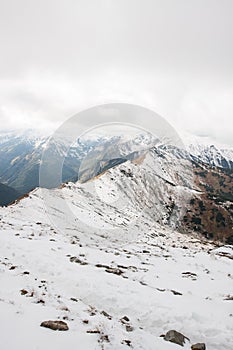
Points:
(21, 152)
(20, 157)
(187, 188)
(216, 157)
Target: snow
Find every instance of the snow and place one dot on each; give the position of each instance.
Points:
(226, 250)
(168, 280)
(82, 249)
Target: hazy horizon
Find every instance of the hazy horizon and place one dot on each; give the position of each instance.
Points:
(174, 57)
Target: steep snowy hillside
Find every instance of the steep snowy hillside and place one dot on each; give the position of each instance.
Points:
(168, 186)
(213, 156)
(91, 256)
(208, 151)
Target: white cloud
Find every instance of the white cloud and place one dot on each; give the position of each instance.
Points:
(47, 100)
(58, 58)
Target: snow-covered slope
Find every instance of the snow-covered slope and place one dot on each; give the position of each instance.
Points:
(208, 151)
(114, 275)
(213, 156)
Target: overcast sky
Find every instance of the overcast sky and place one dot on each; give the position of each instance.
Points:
(173, 56)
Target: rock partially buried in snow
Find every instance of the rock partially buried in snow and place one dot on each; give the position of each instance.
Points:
(198, 346)
(125, 319)
(175, 337)
(55, 325)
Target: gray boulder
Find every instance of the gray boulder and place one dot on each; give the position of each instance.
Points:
(175, 337)
(55, 325)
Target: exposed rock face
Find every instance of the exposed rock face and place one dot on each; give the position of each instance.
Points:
(175, 337)
(211, 211)
(198, 346)
(55, 325)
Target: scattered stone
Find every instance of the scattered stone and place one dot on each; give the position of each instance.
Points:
(175, 292)
(40, 301)
(102, 266)
(106, 314)
(198, 346)
(74, 299)
(78, 261)
(187, 273)
(129, 328)
(85, 321)
(225, 255)
(64, 308)
(191, 275)
(104, 338)
(122, 267)
(55, 325)
(126, 341)
(133, 268)
(93, 331)
(143, 283)
(114, 270)
(229, 297)
(175, 337)
(124, 319)
(92, 311)
(24, 292)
